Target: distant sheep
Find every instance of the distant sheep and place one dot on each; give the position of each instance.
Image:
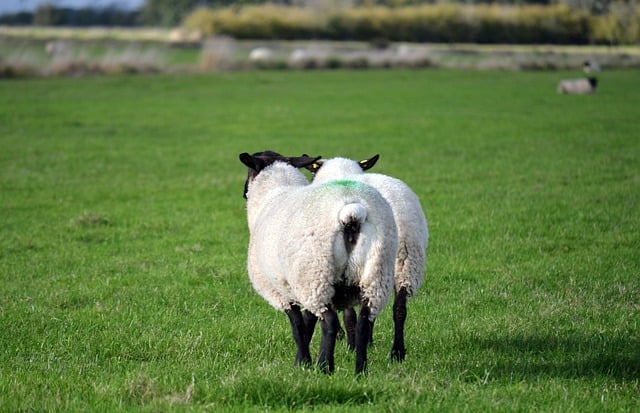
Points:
(261, 55)
(321, 248)
(183, 37)
(578, 86)
(591, 66)
(298, 55)
(413, 235)
(57, 49)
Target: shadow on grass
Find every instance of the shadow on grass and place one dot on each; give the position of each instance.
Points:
(573, 356)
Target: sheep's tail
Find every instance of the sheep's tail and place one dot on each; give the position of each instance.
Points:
(352, 216)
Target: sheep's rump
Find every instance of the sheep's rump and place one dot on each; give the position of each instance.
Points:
(413, 234)
(298, 252)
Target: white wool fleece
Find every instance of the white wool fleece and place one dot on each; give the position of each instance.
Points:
(413, 234)
(297, 252)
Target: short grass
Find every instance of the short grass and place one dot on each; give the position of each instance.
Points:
(123, 241)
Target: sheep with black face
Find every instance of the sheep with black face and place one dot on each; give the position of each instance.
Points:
(413, 236)
(319, 248)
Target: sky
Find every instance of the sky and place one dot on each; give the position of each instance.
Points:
(13, 6)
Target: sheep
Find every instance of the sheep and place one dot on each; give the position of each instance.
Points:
(578, 86)
(591, 66)
(321, 248)
(58, 49)
(261, 55)
(413, 236)
(298, 55)
(183, 37)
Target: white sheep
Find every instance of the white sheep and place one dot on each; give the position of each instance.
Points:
(58, 49)
(321, 248)
(261, 55)
(413, 236)
(591, 66)
(578, 86)
(184, 37)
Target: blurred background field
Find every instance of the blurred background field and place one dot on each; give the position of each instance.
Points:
(55, 51)
(190, 36)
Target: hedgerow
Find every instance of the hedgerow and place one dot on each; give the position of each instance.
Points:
(258, 22)
(459, 23)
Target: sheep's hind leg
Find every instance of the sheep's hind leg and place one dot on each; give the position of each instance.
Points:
(330, 326)
(350, 320)
(399, 316)
(310, 321)
(298, 328)
(363, 335)
(371, 333)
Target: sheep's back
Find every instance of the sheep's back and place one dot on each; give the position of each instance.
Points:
(406, 206)
(413, 233)
(298, 239)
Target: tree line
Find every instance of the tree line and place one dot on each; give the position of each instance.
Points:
(172, 12)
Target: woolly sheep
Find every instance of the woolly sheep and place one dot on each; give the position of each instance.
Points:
(413, 236)
(591, 66)
(58, 49)
(298, 55)
(321, 248)
(261, 55)
(578, 86)
(184, 37)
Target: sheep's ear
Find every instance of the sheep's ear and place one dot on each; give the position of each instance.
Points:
(247, 159)
(303, 161)
(253, 162)
(313, 168)
(250, 162)
(368, 163)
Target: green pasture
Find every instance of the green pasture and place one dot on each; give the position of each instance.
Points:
(123, 241)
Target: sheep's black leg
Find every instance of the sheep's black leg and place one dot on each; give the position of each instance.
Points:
(310, 320)
(298, 329)
(350, 319)
(363, 334)
(341, 334)
(399, 316)
(371, 333)
(330, 326)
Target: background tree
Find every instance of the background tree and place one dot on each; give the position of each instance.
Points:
(171, 12)
(168, 12)
(48, 15)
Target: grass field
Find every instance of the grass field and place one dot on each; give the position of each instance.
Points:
(123, 241)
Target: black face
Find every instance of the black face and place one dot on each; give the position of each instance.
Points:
(260, 160)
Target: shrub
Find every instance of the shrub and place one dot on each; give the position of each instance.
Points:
(201, 20)
(256, 22)
(442, 22)
(621, 25)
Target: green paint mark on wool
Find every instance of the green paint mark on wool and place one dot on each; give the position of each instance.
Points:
(344, 183)
(345, 186)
